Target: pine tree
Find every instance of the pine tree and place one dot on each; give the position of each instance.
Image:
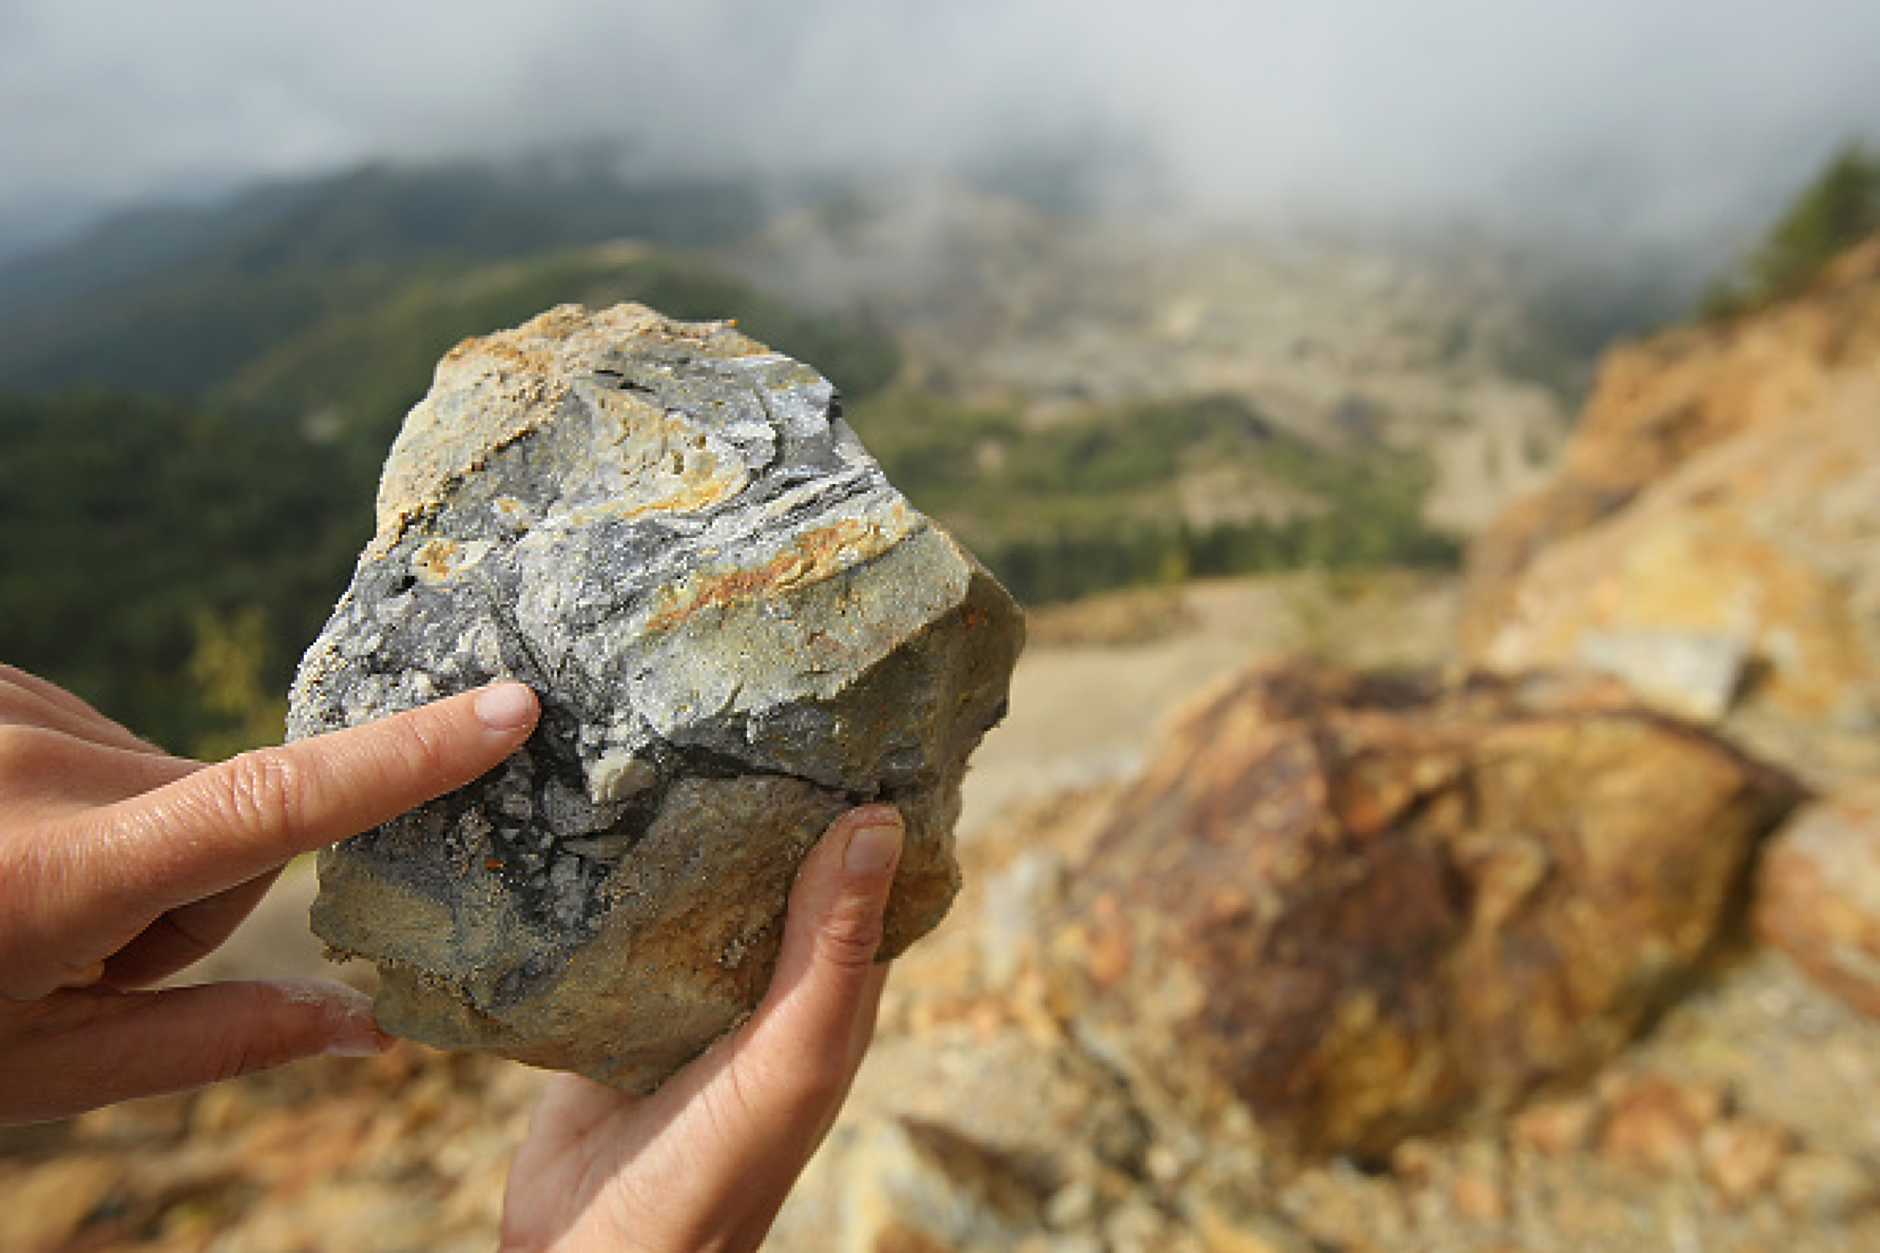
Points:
(1833, 213)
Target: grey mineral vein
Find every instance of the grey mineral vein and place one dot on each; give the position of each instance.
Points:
(738, 628)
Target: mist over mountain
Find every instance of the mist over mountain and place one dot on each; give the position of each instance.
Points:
(32, 225)
(1617, 154)
(179, 298)
(1603, 119)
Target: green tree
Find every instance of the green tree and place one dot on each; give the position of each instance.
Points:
(169, 563)
(230, 671)
(1833, 213)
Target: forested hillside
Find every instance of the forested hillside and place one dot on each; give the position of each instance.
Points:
(168, 560)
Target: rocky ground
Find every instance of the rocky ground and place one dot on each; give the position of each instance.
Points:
(408, 1152)
(1745, 1119)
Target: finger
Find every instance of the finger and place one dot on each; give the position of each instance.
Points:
(230, 823)
(52, 932)
(13, 676)
(51, 774)
(770, 1093)
(85, 1049)
(786, 1071)
(33, 706)
(184, 936)
(827, 982)
(708, 1158)
(17, 685)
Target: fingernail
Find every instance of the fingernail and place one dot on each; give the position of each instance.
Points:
(506, 706)
(366, 1042)
(872, 849)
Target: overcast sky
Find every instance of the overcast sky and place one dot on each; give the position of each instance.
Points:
(1666, 115)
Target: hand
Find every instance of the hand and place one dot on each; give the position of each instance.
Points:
(706, 1161)
(120, 865)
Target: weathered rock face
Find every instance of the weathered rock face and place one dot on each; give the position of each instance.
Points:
(1718, 507)
(1818, 894)
(1354, 907)
(915, 1186)
(738, 628)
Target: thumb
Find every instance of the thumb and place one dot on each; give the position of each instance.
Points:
(816, 1020)
(95, 1046)
(708, 1158)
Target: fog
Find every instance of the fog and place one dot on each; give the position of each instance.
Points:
(1642, 119)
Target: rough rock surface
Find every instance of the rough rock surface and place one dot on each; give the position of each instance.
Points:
(1720, 495)
(738, 628)
(1818, 894)
(1359, 907)
(915, 1185)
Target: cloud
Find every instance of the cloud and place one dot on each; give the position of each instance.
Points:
(1663, 114)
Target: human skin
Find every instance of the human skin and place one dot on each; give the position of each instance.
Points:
(121, 865)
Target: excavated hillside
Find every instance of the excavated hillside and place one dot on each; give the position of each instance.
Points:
(1714, 530)
(1339, 343)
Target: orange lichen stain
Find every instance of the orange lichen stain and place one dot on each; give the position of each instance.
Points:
(1109, 953)
(511, 352)
(814, 556)
(665, 464)
(434, 560)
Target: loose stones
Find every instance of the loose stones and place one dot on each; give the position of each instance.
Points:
(738, 629)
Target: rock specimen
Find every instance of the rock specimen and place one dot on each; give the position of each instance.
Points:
(738, 628)
(1357, 907)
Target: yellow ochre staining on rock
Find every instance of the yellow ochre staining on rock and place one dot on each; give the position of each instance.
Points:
(490, 391)
(662, 461)
(810, 558)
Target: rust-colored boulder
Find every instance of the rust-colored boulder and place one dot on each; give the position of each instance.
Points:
(1356, 907)
(1818, 894)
